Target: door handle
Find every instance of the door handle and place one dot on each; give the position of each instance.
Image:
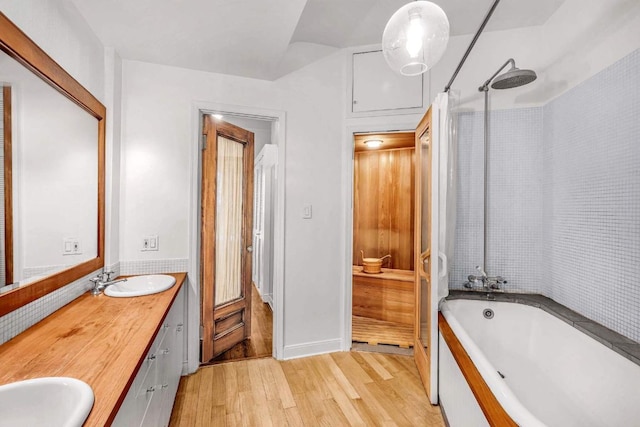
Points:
(424, 256)
(249, 248)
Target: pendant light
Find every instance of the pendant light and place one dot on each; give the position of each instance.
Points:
(415, 38)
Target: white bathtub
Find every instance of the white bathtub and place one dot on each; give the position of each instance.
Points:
(554, 375)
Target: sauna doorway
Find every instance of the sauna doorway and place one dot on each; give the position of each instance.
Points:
(383, 224)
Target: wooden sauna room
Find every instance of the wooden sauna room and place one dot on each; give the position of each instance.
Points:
(383, 239)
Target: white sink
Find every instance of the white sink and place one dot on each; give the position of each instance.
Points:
(141, 285)
(51, 401)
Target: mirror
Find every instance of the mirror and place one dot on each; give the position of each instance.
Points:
(52, 134)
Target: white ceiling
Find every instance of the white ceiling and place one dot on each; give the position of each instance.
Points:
(266, 39)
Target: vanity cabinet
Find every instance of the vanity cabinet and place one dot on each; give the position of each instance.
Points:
(149, 400)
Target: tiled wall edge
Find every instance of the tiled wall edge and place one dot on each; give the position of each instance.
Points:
(176, 265)
(23, 318)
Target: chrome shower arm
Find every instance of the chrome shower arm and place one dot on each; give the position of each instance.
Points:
(485, 86)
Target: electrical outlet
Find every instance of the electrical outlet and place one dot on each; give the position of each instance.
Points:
(71, 246)
(150, 243)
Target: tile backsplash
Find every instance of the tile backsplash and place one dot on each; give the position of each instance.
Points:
(23, 318)
(154, 266)
(564, 198)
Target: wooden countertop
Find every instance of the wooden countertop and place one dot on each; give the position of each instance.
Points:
(387, 273)
(97, 339)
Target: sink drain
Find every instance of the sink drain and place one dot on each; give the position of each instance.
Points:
(487, 313)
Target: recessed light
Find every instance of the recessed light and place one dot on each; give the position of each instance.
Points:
(373, 143)
(217, 116)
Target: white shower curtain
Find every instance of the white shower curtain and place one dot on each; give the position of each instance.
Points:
(447, 138)
(228, 276)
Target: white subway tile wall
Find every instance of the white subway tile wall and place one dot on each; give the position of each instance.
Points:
(20, 320)
(177, 265)
(564, 198)
(23, 318)
(469, 223)
(592, 197)
(515, 225)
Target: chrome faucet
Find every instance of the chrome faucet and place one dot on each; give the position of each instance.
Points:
(102, 280)
(484, 281)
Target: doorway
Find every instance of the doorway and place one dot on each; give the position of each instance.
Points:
(383, 297)
(240, 325)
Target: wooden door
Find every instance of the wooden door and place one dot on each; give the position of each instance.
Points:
(226, 237)
(426, 227)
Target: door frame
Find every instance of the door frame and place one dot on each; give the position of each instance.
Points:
(405, 124)
(278, 118)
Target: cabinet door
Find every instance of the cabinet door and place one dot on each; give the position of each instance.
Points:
(150, 398)
(377, 88)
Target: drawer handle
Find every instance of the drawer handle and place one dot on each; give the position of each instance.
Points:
(165, 351)
(151, 358)
(151, 389)
(165, 386)
(166, 325)
(179, 328)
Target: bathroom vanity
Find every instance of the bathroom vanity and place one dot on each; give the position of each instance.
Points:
(129, 350)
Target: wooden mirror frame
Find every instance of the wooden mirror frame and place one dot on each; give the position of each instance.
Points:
(20, 47)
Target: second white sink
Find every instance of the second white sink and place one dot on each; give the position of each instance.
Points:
(141, 285)
(44, 402)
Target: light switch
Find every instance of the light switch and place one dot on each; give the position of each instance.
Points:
(71, 246)
(150, 243)
(307, 212)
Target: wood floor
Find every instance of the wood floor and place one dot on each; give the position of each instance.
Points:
(339, 389)
(260, 343)
(374, 332)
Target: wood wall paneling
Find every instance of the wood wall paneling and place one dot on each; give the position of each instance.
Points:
(384, 206)
(381, 299)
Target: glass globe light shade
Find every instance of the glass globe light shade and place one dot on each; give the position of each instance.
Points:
(415, 38)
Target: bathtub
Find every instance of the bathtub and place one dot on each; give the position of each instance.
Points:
(541, 370)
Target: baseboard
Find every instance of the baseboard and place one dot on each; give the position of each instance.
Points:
(312, 348)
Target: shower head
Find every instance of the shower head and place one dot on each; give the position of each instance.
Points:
(515, 77)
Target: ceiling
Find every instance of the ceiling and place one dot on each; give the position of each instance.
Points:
(267, 39)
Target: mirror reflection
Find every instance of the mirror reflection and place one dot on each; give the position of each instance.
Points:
(49, 178)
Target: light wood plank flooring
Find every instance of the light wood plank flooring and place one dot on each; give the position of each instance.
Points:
(260, 343)
(374, 331)
(339, 389)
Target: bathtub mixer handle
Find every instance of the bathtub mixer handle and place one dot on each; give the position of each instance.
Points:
(490, 283)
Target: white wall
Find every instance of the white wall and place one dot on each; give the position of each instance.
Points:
(157, 142)
(56, 173)
(57, 27)
(579, 40)
(158, 103)
(314, 102)
(113, 136)
(157, 145)
(39, 138)
(64, 35)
